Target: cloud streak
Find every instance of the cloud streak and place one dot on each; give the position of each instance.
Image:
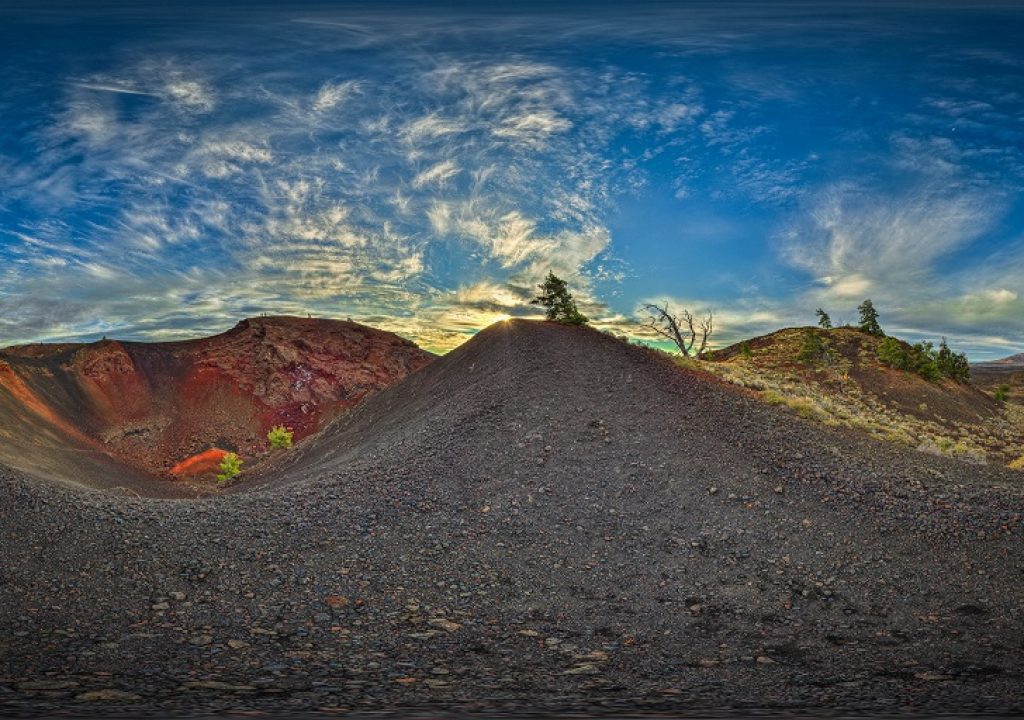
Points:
(423, 172)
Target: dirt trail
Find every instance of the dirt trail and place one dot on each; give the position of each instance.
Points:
(544, 519)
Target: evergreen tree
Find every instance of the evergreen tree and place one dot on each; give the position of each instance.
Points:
(557, 300)
(953, 365)
(869, 319)
(824, 320)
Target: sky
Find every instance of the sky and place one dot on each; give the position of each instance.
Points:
(167, 169)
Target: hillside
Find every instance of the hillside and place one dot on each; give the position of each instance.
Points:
(543, 520)
(854, 389)
(139, 410)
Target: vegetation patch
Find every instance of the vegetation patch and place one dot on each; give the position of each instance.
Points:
(840, 377)
(279, 437)
(230, 466)
(924, 360)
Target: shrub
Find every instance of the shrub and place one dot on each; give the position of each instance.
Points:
(557, 300)
(745, 349)
(1017, 464)
(924, 363)
(893, 353)
(815, 350)
(1002, 393)
(230, 466)
(951, 364)
(920, 358)
(279, 438)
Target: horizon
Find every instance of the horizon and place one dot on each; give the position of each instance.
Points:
(420, 169)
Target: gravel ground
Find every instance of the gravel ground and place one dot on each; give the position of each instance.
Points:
(543, 520)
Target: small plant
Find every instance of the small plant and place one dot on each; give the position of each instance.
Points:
(557, 300)
(230, 466)
(745, 350)
(869, 319)
(1002, 393)
(1017, 464)
(279, 437)
(824, 321)
(893, 353)
(815, 350)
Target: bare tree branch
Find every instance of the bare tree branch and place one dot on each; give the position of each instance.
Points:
(682, 330)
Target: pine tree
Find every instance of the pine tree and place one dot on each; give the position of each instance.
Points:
(869, 319)
(557, 300)
(824, 320)
(953, 365)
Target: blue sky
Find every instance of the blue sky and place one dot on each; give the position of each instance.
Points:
(167, 171)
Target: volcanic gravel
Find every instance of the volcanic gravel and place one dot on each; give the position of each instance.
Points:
(544, 520)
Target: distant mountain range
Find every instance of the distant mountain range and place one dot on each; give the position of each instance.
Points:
(1013, 361)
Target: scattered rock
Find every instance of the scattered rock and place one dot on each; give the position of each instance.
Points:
(108, 695)
(444, 624)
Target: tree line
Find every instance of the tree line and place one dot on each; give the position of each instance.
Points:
(690, 334)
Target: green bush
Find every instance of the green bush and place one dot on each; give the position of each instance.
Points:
(1002, 393)
(924, 360)
(924, 363)
(279, 438)
(893, 353)
(815, 349)
(951, 364)
(230, 466)
(745, 349)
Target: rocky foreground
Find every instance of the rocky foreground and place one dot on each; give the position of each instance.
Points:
(543, 520)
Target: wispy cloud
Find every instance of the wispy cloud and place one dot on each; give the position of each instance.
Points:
(423, 174)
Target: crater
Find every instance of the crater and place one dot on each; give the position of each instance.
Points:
(148, 416)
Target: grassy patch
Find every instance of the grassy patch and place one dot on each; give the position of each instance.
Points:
(835, 394)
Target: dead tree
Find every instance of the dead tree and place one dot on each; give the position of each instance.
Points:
(682, 330)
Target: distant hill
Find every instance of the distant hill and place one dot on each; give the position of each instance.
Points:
(1017, 360)
(853, 388)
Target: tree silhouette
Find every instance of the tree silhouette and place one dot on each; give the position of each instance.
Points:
(869, 319)
(557, 300)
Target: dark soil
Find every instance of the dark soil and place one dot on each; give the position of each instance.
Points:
(544, 520)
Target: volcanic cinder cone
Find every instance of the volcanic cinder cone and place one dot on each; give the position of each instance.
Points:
(543, 519)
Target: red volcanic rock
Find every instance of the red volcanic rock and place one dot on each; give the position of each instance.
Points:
(204, 463)
(156, 405)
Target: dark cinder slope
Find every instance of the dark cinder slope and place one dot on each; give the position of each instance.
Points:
(543, 519)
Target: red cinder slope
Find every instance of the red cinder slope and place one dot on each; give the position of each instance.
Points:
(154, 405)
